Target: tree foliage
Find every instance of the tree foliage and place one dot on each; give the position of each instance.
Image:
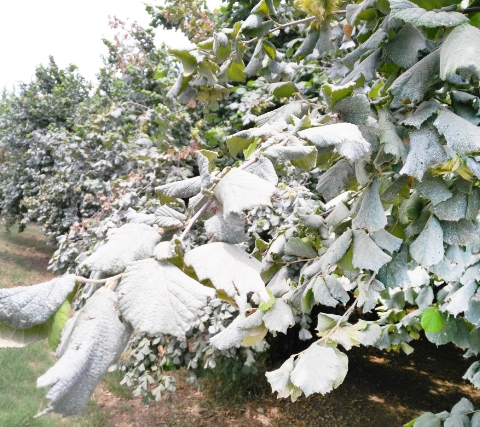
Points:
(304, 164)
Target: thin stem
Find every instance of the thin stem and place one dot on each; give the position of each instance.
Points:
(81, 279)
(470, 9)
(196, 216)
(281, 27)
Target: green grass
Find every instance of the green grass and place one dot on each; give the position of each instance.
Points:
(23, 260)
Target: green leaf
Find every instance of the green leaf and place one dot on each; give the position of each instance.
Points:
(297, 247)
(189, 62)
(236, 72)
(308, 44)
(427, 420)
(12, 337)
(336, 93)
(432, 320)
(282, 89)
(264, 306)
(404, 48)
(56, 325)
(250, 149)
(306, 163)
(269, 49)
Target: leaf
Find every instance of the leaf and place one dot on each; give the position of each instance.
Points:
(452, 209)
(57, 323)
(354, 109)
(280, 378)
(189, 61)
(96, 342)
(168, 217)
(367, 69)
(432, 188)
(308, 44)
(295, 108)
(404, 48)
(366, 254)
(236, 71)
(423, 112)
(432, 320)
(427, 420)
(280, 317)
(460, 134)
(388, 136)
(329, 291)
(368, 295)
(335, 93)
(282, 89)
(371, 214)
(230, 230)
(334, 180)
(335, 252)
(458, 232)
(237, 331)
(425, 152)
(413, 84)
(239, 191)
(427, 249)
(386, 241)
(12, 337)
(130, 242)
(339, 214)
(158, 298)
(319, 370)
(264, 306)
(181, 189)
(308, 162)
(140, 218)
(410, 12)
(459, 61)
(263, 168)
(229, 268)
(460, 299)
(279, 154)
(297, 247)
(346, 137)
(26, 306)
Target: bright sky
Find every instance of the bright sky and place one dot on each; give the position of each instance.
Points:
(31, 30)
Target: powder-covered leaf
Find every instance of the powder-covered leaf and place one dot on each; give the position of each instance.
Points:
(158, 298)
(427, 249)
(371, 214)
(297, 247)
(337, 250)
(96, 342)
(229, 268)
(404, 48)
(13, 337)
(139, 217)
(332, 182)
(458, 232)
(410, 12)
(279, 317)
(229, 230)
(432, 188)
(168, 217)
(459, 301)
(369, 293)
(239, 191)
(308, 162)
(263, 168)
(423, 112)
(280, 378)
(459, 60)
(181, 189)
(335, 93)
(295, 108)
(346, 137)
(413, 84)
(392, 143)
(354, 109)
(366, 254)
(426, 151)
(26, 306)
(367, 69)
(319, 370)
(126, 244)
(386, 241)
(329, 291)
(452, 209)
(279, 154)
(340, 213)
(461, 135)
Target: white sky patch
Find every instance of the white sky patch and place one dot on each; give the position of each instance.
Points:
(72, 32)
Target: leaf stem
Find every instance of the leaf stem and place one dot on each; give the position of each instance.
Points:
(81, 279)
(195, 217)
(282, 26)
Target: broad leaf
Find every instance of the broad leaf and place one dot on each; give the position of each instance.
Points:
(392, 143)
(229, 230)
(427, 249)
(280, 154)
(432, 320)
(96, 342)
(297, 247)
(189, 61)
(26, 306)
(371, 215)
(280, 378)
(167, 217)
(404, 48)
(279, 317)
(423, 112)
(452, 209)
(458, 232)
(263, 168)
(131, 242)
(461, 135)
(335, 93)
(460, 299)
(12, 337)
(354, 109)
(282, 89)
(296, 108)
(329, 291)
(336, 251)
(432, 188)
(239, 191)
(367, 69)
(369, 293)
(386, 241)
(181, 189)
(158, 298)
(334, 180)
(366, 254)
(229, 268)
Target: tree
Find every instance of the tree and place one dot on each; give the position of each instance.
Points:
(349, 210)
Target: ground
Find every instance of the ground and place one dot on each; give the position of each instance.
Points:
(381, 389)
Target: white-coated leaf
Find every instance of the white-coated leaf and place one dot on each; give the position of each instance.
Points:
(410, 12)
(239, 191)
(366, 254)
(366, 69)
(96, 342)
(395, 273)
(229, 268)
(126, 244)
(386, 241)
(319, 370)
(296, 108)
(140, 218)
(26, 306)
(452, 209)
(353, 109)
(158, 298)
(432, 188)
(237, 331)
(458, 232)
(426, 151)
(16, 338)
(368, 295)
(181, 189)
(423, 112)
(168, 217)
(392, 143)
(346, 137)
(337, 250)
(279, 317)
(229, 230)
(297, 247)
(340, 213)
(461, 135)
(334, 180)
(329, 291)
(279, 154)
(427, 249)
(413, 84)
(459, 61)
(371, 214)
(460, 299)
(264, 169)
(404, 48)
(280, 378)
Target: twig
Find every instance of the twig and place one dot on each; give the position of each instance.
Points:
(281, 27)
(196, 216)
(470, 9)
(81, 279)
